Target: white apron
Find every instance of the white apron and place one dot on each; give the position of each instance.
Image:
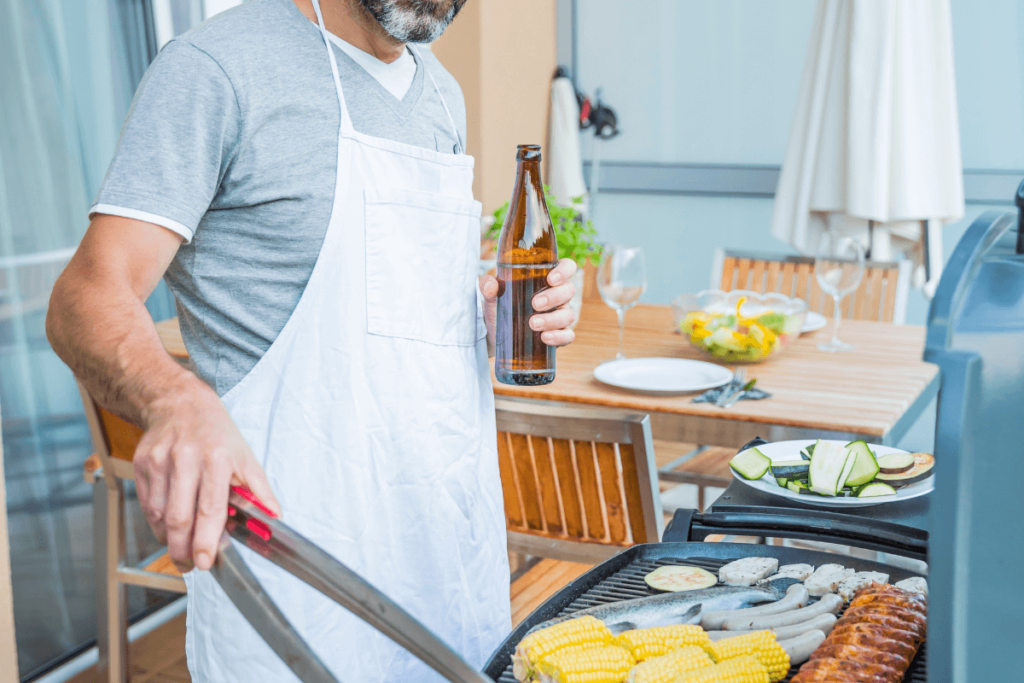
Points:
(373, 416)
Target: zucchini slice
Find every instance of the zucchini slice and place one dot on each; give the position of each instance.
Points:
(865, 467)
(792, 469)
(797, 486)
(675, 579)
(781, 481)
(922, 469)
(750, 464)
(875, 489)
(895, 463)
(830, 467)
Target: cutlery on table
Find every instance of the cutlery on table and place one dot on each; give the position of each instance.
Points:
(739, 394)
(735, 385)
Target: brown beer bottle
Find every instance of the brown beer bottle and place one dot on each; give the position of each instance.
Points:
(527, 251)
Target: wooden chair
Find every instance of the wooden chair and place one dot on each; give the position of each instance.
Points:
(882, 295)
(115, 440)
(579, 484)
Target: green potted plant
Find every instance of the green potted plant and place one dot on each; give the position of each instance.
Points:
(574, 235)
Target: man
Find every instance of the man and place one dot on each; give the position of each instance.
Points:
(303, 186)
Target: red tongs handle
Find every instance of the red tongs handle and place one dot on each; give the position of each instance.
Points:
(251, 497)
(261, 529)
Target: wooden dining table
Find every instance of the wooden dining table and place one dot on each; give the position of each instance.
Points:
(874, 392)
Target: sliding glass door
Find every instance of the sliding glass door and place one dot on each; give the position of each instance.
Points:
(70, 70)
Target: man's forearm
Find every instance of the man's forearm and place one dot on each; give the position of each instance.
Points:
(103, 331)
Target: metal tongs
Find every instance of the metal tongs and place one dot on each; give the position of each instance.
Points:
(253, 524)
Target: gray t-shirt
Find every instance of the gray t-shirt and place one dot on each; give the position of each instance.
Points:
(232, 142)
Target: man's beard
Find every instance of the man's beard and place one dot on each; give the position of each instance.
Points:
(413, 21)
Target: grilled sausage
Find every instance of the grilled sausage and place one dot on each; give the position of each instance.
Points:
(874, 641)
(800, 648)
(903, 615)
(908, 637)
(823, 623)
(795, 598)
(828, 677)
(827, 667)
(882, 620)
(830, 603)
(859, 653)
(891, 590)
(816, 676)
(890, 599)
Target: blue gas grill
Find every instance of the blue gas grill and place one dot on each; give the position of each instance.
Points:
(970, 529)
(976, 558)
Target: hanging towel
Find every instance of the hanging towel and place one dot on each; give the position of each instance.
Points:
(565, 162)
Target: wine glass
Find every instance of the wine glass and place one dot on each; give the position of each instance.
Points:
(621, 279)
(838, 267)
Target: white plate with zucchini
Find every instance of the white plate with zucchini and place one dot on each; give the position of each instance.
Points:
(835, 473)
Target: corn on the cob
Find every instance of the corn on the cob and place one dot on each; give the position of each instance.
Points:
(743, 669)
(645, 643)
(760, 644)
(666, 668)
(593, 665)
(573, 634)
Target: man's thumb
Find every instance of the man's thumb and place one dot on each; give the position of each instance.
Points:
(489, 286)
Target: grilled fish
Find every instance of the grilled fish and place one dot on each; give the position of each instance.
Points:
(672, 608)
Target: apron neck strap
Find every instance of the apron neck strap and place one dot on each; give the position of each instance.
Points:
(346, 120)
(455, 130)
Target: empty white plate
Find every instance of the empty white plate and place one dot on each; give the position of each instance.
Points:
(662, 375)
(813, 321)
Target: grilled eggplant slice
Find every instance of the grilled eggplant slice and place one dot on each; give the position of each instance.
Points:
(895, 463)
(924, 463)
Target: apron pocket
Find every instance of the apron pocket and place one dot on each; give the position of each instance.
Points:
(422, 251)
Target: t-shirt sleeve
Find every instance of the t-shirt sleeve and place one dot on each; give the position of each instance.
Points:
(178, 138)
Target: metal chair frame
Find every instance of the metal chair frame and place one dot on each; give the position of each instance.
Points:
(113, 575)
(556, 421)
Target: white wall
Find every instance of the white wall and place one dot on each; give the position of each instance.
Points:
(700, 82)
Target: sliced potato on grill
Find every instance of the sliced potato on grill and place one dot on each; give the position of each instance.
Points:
(675, 579)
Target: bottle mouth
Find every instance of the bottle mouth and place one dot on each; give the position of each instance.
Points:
(528, 152)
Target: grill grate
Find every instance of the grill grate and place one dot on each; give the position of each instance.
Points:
(628, 583)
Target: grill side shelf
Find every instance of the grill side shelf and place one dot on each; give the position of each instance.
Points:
(622, 578)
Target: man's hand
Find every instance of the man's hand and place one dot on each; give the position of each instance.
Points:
(191, 451)
(554, 316)
(185, 464)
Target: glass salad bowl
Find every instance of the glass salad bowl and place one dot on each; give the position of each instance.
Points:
(739, 326)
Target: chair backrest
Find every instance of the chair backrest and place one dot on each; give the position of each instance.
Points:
(882, 294)
(579, 484)
(114, 438)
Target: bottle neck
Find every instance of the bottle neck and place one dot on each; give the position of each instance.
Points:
(528, 173)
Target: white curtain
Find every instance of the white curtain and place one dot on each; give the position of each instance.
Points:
(69, 70)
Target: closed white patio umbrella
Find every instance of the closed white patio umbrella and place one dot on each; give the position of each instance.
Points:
(874, 150)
